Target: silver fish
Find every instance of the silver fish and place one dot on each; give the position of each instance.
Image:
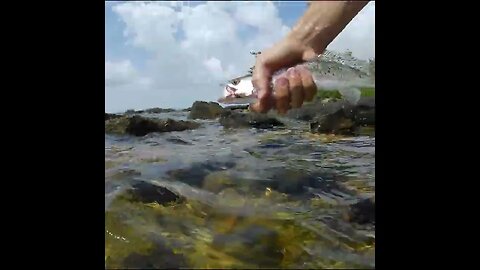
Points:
(331, 72)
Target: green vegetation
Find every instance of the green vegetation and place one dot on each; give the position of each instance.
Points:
(335, 94)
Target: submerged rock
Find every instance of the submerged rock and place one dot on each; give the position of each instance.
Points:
(300, 182)
(362, 212)
(195, 174)
(160, 257)
(217, 181)
(149, 193)
(254, 243)
(205, 110)
(140, 126)
(233, 119)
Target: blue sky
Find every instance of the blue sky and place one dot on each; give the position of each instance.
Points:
(159, 54)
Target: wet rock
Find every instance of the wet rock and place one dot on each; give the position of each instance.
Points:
(149, 193)
(233, 119)
(237, 107)
(132, 112)
(254, 243)
(109, 116)
(297, 182)
(139, 126)
(365, 117)
(205, 110)
(338, 117)
(362, 212)
(187, 109)
(195, 174)
(159, 110)
(336, 123)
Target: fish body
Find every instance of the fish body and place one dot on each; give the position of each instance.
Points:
(331, 72)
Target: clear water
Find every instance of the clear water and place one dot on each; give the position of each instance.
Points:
(252, 198)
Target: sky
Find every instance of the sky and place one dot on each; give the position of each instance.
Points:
(169, 54)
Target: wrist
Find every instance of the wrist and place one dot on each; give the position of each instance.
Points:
(312, 42)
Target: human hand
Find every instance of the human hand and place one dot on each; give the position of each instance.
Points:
(292, 87)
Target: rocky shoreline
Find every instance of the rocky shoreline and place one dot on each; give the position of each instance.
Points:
(331, 117)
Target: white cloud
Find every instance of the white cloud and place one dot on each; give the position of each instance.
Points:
(123, 74)
(194, 48)
(359, 35)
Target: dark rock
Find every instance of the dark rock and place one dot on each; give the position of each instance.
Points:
(187, 109)
(195, 174)
(238, 107)
(159, 110)
(140, 126)
(233, 119)
(337, 117)
(205, 110)
(298, 182)
(109, 116)
(336, 123)
(362, 212)
(149, 193)
(365, 117)
(254, 243)
(366, 102)
(316, 109)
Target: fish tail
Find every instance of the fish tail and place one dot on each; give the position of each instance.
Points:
(351, 94)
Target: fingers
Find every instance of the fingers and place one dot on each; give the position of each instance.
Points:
(282, 95)
(261, 82)
(309, 86)
(290, 91)
(296, 88)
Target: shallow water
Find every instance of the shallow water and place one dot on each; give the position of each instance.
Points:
(251, 198)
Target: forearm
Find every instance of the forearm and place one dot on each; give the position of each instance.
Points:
(322, 22)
